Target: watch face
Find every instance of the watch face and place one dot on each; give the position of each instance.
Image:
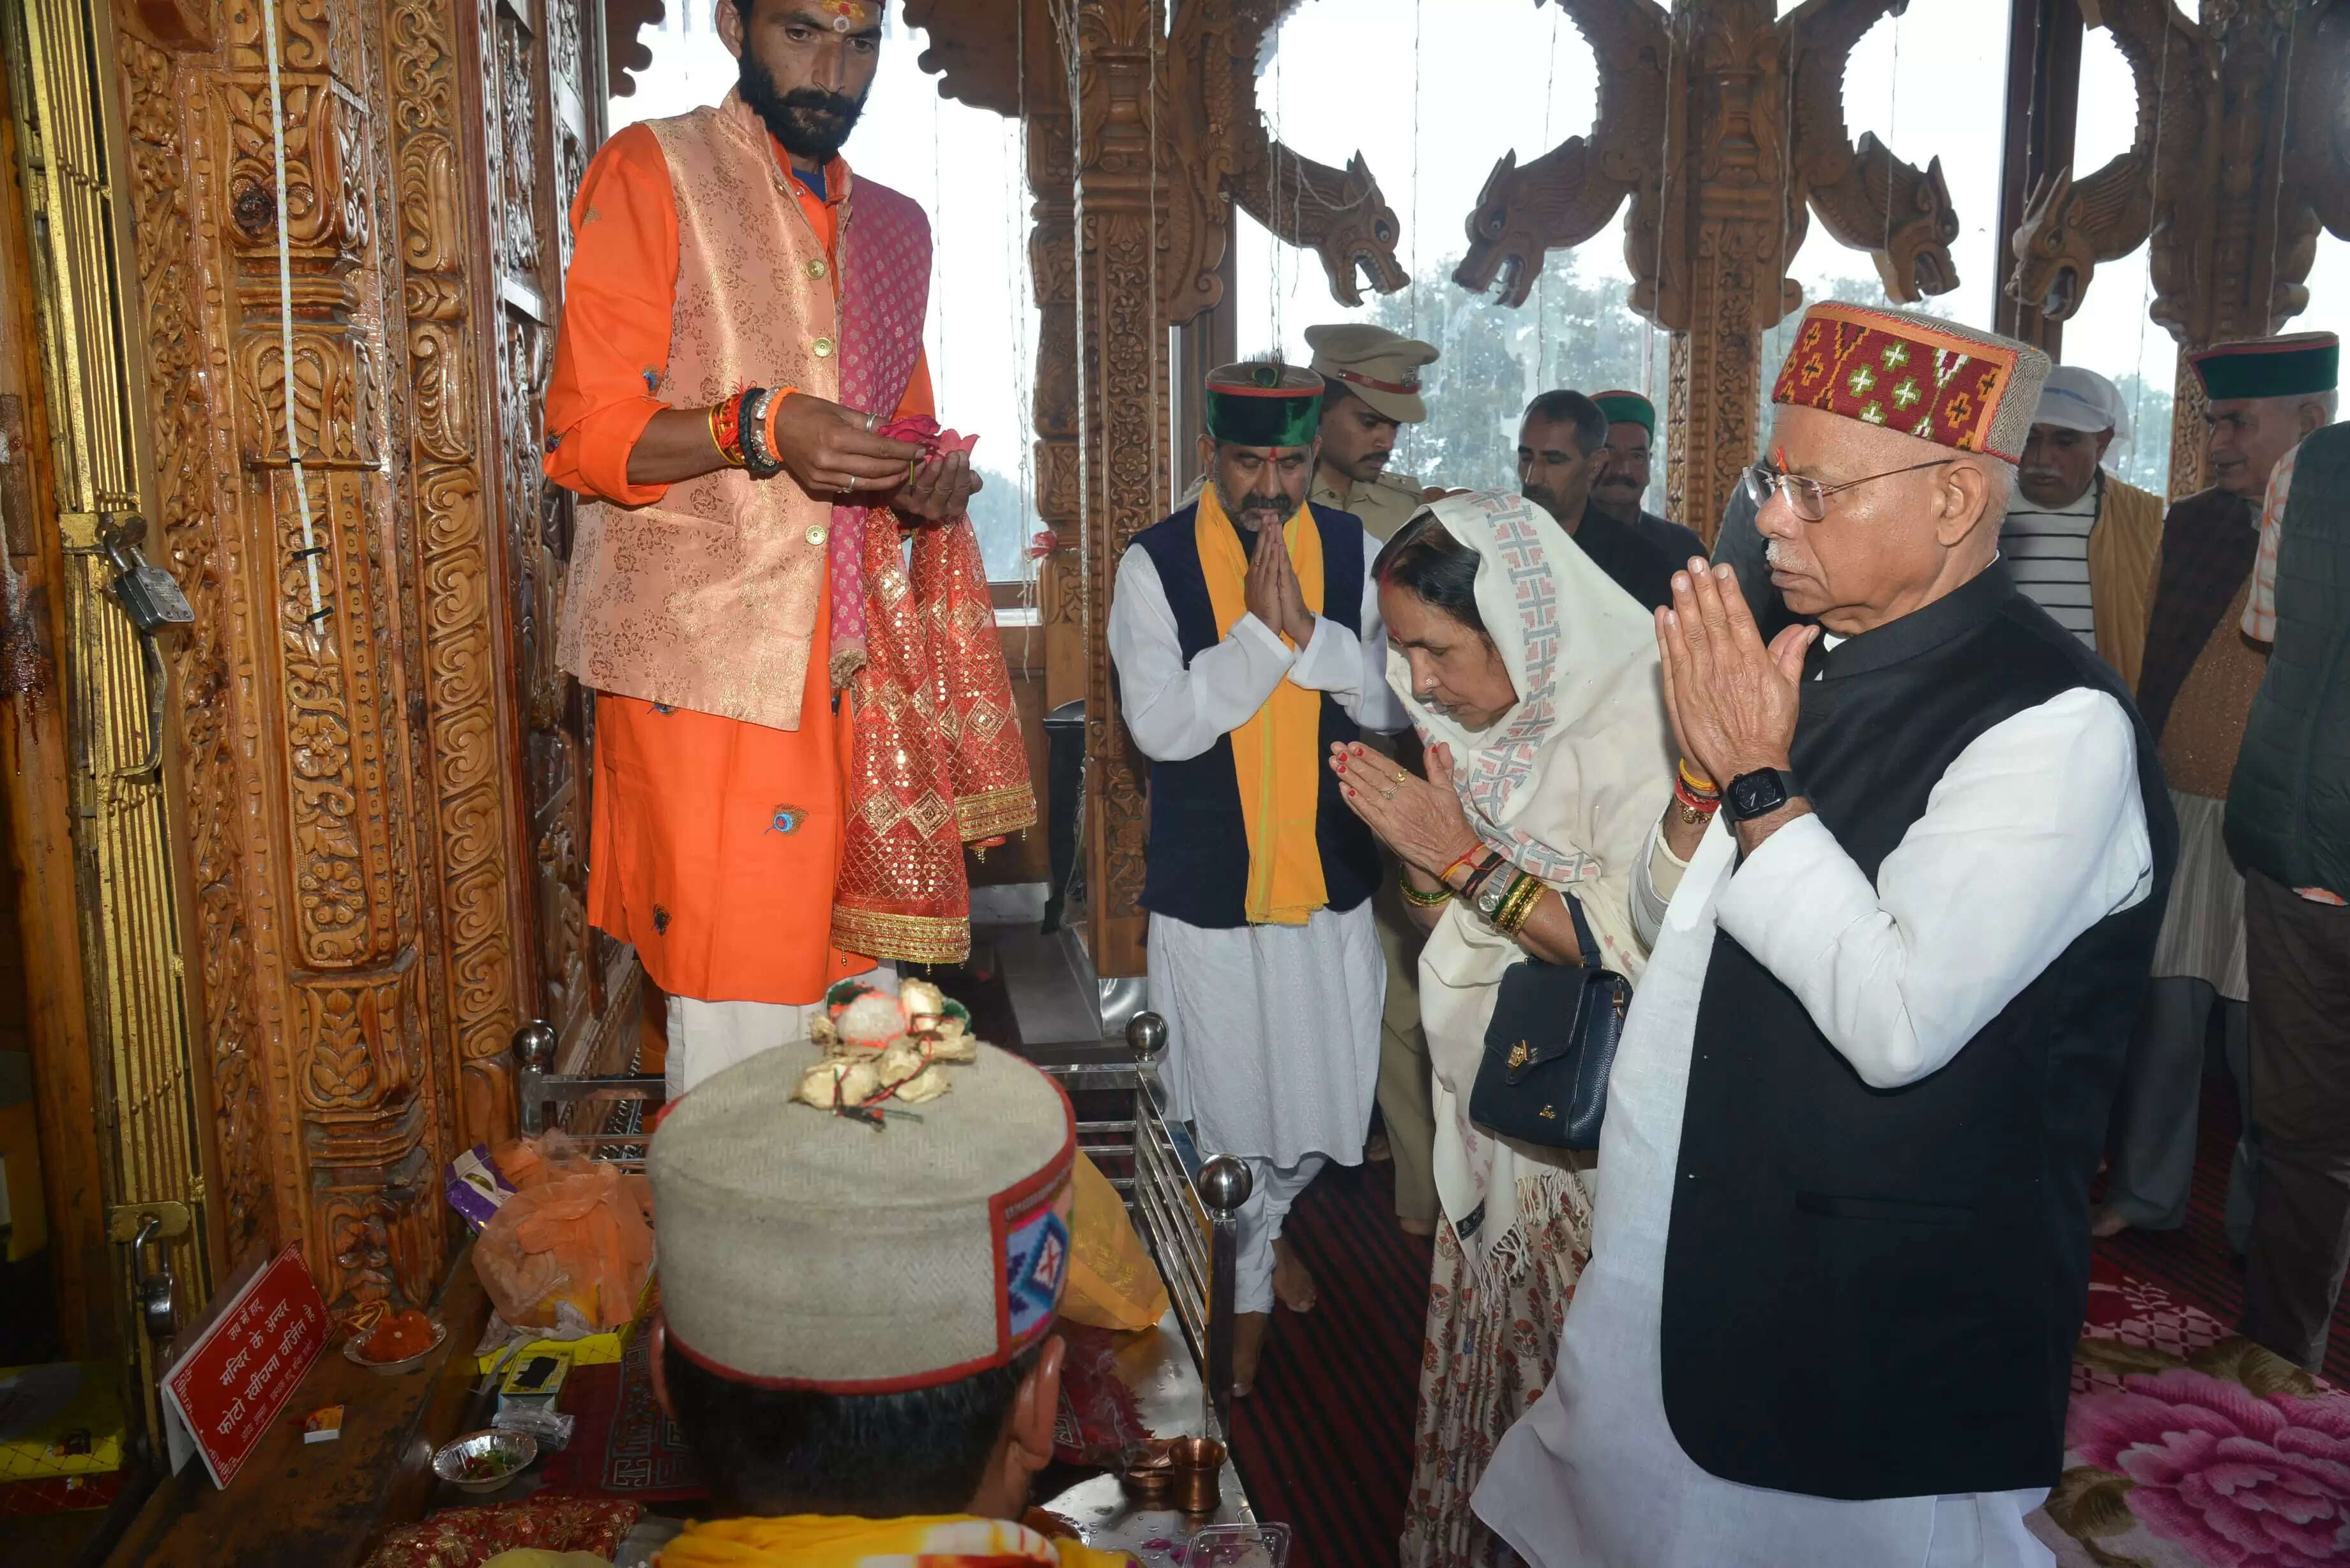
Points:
(1757, 793)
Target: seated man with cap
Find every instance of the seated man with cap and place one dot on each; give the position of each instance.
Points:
(1370, 380)
(2081, 542)
(1246, 636)
(854, 1328)
(1623, 482)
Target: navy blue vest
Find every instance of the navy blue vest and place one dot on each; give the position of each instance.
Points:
(1197, 862)
(1875, 1293)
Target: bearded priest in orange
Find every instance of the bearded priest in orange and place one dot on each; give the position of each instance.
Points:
(800, 723)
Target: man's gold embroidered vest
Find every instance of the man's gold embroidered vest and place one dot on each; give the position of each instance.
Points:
(708, 599)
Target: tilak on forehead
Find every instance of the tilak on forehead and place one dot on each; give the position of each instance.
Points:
(1925, 377)
(848, 16)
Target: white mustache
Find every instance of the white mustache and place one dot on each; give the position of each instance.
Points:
(1777, 557)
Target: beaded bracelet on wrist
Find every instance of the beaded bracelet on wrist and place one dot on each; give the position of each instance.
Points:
(1696, 783)
(756, 458)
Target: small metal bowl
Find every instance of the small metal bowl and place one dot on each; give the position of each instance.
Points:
(513, 1452)
(1148, 1471)
(406, 1364)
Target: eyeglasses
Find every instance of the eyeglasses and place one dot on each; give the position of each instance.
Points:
(1808, 496)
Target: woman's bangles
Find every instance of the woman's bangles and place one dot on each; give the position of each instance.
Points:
(743, 429)
(1697, 797)
(1504, 902)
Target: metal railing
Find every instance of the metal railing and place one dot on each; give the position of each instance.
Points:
(1186, 1209)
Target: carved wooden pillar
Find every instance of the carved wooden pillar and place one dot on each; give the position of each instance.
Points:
(1728, 230)
(1122, 389)
(1052, 264)
(355, 813)
(468, 738)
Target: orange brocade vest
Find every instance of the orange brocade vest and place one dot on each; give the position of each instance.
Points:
(707, 600)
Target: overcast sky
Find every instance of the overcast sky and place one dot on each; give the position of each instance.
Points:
(1432, 93)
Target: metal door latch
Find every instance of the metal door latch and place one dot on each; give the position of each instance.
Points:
(152, 600)
(149, 595)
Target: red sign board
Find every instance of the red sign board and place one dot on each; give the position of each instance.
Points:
(231, 1381)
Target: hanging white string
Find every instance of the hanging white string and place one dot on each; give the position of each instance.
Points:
(1542, 278)
(2146, 289)
(1412, 457)
(310, 551)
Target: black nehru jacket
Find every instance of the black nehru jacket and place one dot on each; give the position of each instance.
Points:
(1875, 1293)
(1196, 865)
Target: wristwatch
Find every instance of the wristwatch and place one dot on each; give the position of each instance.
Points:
(1759, 794)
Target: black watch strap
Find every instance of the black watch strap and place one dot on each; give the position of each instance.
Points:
(1759, 794)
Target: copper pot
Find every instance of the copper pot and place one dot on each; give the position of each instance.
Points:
(1199, 1464)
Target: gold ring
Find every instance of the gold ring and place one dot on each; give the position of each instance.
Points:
(1402, 777)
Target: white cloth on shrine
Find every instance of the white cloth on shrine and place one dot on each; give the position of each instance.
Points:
(2036, 833)
(1272, 1031)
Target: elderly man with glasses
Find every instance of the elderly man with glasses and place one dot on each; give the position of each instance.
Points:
(1901, 910)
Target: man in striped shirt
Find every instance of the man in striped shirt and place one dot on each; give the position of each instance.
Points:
(2083, 545)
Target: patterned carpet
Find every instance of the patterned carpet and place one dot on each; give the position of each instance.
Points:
(2244, 1462)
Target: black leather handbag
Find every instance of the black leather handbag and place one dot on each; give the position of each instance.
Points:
(1550, 1047)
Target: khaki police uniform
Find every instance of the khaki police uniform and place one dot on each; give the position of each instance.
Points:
(1382, 368)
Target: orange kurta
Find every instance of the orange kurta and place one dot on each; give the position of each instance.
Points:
(715, 842)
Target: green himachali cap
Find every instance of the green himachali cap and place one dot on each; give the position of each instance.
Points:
(2299, 364)
(1624, 408)
(1263, 404)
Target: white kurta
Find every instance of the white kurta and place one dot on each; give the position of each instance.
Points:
(2034, 833)
(1272, 1031)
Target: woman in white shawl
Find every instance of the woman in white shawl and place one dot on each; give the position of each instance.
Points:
(1533, 680)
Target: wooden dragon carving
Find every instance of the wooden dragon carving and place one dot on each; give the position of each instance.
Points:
(1564, 197)
(1867, 197)
(1214, 145)
(1338, 213)
(2071, 225)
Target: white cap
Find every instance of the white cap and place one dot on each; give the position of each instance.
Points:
(2074, 399)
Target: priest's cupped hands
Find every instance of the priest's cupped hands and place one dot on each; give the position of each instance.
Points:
(1732, 702)
(1419, 819)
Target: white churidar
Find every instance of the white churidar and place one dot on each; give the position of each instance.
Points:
(707, 1037)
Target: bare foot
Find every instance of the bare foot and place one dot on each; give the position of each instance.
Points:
(1416, 1227)
(2107, 1221)
(1292, 1284)
(1376, 1150)
(1248, 1349)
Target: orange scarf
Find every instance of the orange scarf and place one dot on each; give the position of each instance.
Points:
(1277, 754)
(811, 1541)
